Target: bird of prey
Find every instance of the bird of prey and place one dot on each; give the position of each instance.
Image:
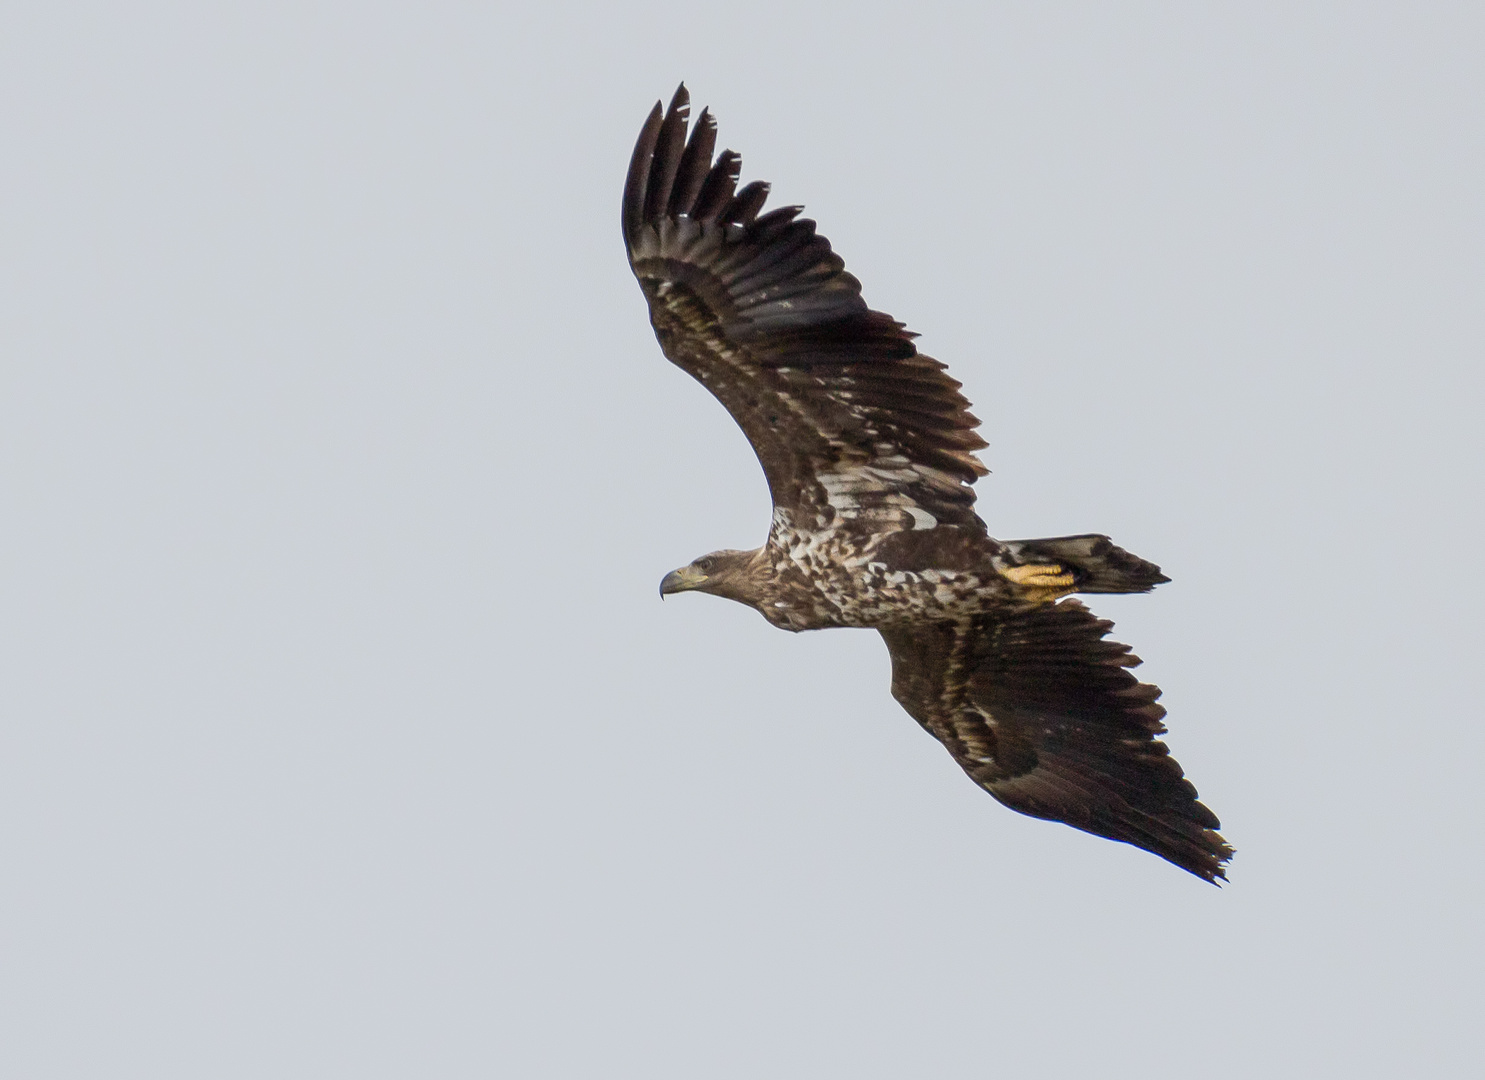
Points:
(869, 452)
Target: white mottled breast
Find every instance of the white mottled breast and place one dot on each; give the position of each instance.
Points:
(848, 586)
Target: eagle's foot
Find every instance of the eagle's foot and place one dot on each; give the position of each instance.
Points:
(1034, 576)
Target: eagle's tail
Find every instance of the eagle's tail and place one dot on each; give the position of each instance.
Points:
(1097, 564)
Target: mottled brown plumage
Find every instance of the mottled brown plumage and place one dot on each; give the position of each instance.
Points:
(869, 451)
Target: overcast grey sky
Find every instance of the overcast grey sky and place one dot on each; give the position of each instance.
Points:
(343, 732)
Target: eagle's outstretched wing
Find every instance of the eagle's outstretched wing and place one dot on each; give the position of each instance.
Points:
(849, 421)
(1041, 712)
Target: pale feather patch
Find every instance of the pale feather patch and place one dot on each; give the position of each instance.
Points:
(874, 490)
(922, 519)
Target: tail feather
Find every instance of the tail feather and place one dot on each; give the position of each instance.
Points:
(1098, 565)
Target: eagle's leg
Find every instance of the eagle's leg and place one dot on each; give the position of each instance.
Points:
(1040, 583)
(1033, 576)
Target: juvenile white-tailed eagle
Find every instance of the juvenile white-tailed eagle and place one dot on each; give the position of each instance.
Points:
(868, 448)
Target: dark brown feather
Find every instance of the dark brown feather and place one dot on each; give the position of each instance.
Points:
(670, 143)
(695, 162)
(744, 207)
(1040, 710)
(639, 173)
(716, 190)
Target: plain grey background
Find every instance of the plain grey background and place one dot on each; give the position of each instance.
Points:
(343, 732)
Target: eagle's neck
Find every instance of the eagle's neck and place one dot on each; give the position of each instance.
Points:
(770, 582)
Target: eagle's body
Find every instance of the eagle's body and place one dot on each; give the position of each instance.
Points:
(814, 580)
(868, 448)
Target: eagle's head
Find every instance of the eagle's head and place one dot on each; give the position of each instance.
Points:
(722, 573)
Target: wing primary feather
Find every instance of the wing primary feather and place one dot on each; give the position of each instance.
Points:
(746, 203)
(772, 223)
(801, 257)
(639, 174)
(716, 190)
(669, 146)
(800, 234)
(695, 163)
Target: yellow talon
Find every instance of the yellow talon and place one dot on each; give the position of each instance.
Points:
(1047, 576)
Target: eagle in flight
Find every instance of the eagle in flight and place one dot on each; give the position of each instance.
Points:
(869, 451)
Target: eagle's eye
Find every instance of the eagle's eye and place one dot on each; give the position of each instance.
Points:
(706, 564)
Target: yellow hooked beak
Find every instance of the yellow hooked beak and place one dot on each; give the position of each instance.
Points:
(687, 577)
